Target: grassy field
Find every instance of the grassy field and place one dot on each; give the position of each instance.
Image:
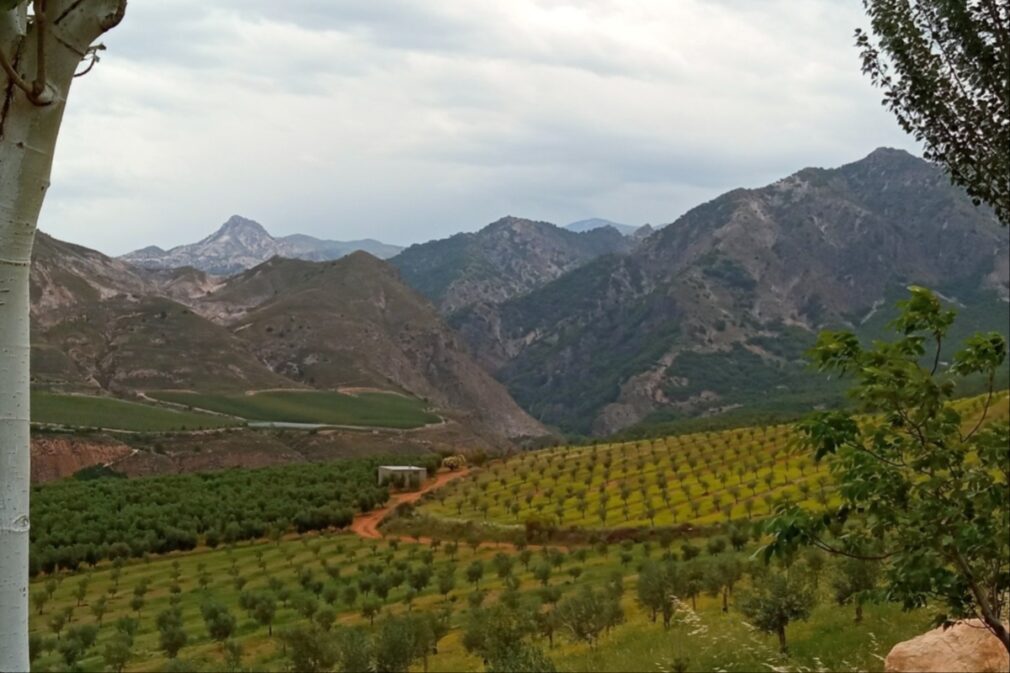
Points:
(386, 410)
(710, 639)
(699, 479)
(105, 412)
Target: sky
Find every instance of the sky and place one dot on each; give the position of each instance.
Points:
(408, 120)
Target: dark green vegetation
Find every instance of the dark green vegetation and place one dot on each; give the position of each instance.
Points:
(78, 522)
(85, 411)
(923, 489)
(944, 67)
(311, 406)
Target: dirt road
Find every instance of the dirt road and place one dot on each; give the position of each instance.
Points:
(367, 525)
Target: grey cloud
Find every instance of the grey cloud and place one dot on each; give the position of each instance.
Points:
(409, 119)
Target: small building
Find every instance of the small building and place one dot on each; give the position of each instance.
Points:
(402, 474)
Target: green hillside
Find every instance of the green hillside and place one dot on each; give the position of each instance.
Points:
(689, 481)
(375, 409)
(83, 411)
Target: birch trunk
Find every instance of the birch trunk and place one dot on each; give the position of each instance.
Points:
(28, 133)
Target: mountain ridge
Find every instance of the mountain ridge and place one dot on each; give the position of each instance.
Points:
(241, 243)
(716, 309)
(591, 223)
(102, 326)
(509, 257)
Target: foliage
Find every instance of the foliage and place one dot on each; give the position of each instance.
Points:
(308, 650)
(587, 613)
(778, 599)
(519, 657)
(659, 585)
(854, 580)
(943, 67)
(81, 522)
(923, 489)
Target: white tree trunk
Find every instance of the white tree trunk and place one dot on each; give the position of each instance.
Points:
(28, 135)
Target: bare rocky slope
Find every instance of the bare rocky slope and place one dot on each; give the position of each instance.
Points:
(103, 326)
(242, 243)
(715, 310)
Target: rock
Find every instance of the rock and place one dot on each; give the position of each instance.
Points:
(966, 647)
(56, 457)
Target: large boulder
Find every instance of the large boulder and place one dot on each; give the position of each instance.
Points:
(966, 647)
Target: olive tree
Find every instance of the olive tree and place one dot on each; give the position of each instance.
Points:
(42, 46)
(776, 600)
(853, 580)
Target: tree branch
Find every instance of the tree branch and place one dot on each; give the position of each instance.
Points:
(15, 78)
(992, 620)
(985, 410)
(40, 85)
(824, 546)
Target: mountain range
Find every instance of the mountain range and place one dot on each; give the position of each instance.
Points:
(241, 244)
(715, 310)
(505, 259)
(524, 324)
(101, 325)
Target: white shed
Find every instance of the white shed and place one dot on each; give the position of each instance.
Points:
(401, 473)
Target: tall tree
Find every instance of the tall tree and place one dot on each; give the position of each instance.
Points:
(42, 46)
(944, 66)
(924, 480)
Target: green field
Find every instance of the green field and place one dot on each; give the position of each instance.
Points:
(314, 572)
(386, 410)
(83, 411)
(696, 479)
(327, 589)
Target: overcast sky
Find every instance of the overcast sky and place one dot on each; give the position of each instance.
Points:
(406, 120)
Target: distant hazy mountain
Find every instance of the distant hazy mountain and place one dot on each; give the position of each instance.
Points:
(716, 310)
(242, 244)
(599, 223)
(505, 259)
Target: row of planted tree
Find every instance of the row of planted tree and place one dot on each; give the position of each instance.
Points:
(338, 602)
(82, 521)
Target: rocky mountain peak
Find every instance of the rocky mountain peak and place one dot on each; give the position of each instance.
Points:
(735, 290)
(242, 243)
(509, 257)
(242, 227)
(515, 224)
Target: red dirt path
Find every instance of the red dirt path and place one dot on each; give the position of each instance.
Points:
(367, 525)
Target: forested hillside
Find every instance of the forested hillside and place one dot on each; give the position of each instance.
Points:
(715, 310)
(505, 259)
